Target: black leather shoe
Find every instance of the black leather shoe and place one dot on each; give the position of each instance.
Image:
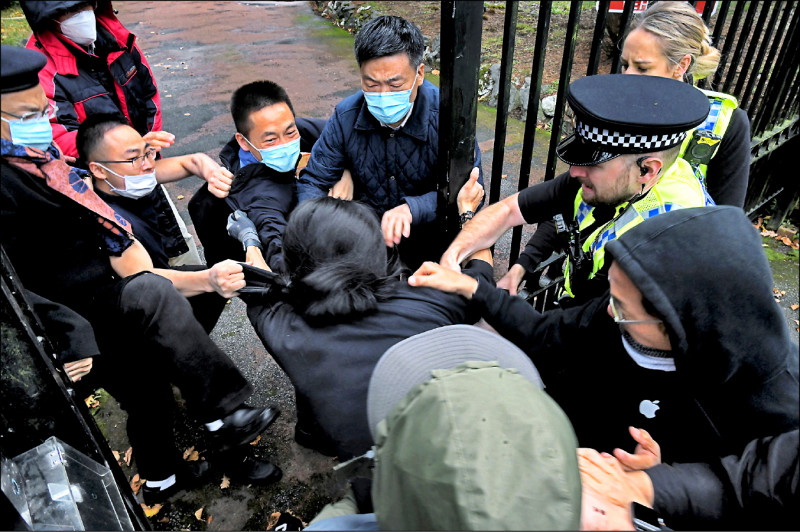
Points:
(241, 427)
(249, 470)
(189, 475)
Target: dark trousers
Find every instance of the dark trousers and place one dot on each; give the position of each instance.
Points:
(210, 216)
(149, 339)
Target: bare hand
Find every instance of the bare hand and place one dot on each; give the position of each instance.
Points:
(604, 475)
(159, 139)
(226, 278)
(396, 224)
(78, 369)
(254, 257)
(219, 181)
(512, 279)
(436, 276)
(647, 453)
(598, 514)
(471, 194)
(343, 189)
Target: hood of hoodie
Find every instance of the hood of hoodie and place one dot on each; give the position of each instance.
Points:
(706, 274)
(38, 13)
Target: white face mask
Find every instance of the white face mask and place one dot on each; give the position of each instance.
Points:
(136, 186)
(81, 28)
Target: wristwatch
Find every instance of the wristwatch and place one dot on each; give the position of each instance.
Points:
(465, 217)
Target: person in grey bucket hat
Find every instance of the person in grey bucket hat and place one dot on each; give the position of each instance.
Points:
(466, 439)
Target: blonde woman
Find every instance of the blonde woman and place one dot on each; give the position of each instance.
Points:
(671, 40)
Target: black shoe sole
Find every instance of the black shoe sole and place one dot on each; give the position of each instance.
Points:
(222, 446)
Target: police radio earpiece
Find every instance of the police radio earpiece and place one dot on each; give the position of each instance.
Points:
(642, 169)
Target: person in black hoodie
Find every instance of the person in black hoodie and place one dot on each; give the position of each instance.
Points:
(700, 354)
(269, 148)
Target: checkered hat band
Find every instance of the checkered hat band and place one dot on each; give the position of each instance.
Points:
(626, 140)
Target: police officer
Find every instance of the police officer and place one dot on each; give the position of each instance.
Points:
(624, 168)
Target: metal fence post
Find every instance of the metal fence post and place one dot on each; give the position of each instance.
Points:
(461, 25)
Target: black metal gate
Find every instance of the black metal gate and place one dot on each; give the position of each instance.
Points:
(760, 65)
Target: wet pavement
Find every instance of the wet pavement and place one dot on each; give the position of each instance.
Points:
(200, 52)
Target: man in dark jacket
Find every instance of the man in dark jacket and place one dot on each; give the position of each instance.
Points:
(387, 135)
(269, 148)
(672, 348)
(126, 175)
(94, 66)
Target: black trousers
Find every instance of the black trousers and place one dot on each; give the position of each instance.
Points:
(150, 339)
(210, 216)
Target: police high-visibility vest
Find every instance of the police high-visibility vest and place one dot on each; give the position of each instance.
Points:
(719, 117)
(678, 188)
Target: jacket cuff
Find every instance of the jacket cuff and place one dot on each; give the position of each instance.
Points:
(423, 208)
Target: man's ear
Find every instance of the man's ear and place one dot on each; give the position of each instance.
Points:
(420, 74)
(96, 171)
(649, 169)
(242, 143)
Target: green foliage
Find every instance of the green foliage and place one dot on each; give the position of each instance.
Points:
(14, 28)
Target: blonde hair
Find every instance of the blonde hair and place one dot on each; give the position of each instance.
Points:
(681, 31)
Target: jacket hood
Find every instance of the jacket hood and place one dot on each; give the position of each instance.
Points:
(38, 13)
(706, 274)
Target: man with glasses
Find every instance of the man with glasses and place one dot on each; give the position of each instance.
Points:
(69, 246)
(126, 175)
(387, 136)
(687, 344)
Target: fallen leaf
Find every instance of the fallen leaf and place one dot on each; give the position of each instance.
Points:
(136, 483)
(764, 246)
(766, 232)
(795, 307)
(210, 517)
(150, 511)
(786, 240)
(226, 482)
(188, 452)
(180, 196)
(783, 292)
(92, 402)
(435, 72)
(255, 442)
(128, 455)
(273, 520)
(116, 455)
(198, 514)
(164, 520)
(776, 290)
(503, 176)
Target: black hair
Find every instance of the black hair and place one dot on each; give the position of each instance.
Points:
(336, 260)
(253, 97)
(388, 35)
(92, 131)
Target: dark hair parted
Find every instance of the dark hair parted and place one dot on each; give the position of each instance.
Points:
(253, 97)
(92, 132)
(336, 260)
(388, 35)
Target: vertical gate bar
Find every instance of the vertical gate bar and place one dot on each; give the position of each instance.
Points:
(779, 74)
(597, 37)
(759, 62)
(791, 98)
(501, 125)
(758, 41)
(743, 37)
(537, 71)
(558, 117)
(461, 25)
(623, 28)
(787, 78)
(730, 37)
(718, 26)
(707, 10)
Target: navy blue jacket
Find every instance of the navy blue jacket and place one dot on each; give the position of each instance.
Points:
(389, 167)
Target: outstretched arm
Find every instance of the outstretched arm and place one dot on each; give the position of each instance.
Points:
(174, 168)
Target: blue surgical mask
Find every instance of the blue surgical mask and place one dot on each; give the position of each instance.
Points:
(281, 158)
(36, 132)
(390, 107)
(136, 186)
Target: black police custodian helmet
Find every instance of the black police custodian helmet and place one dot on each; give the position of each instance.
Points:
(617, 114)
(19, 68)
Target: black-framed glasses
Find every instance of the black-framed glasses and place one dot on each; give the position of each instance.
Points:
(617, 315)
(49, 112)
(135, 162)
